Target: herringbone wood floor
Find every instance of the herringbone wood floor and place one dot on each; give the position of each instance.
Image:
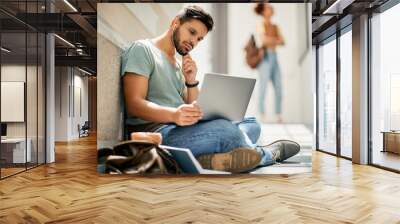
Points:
(70, 191)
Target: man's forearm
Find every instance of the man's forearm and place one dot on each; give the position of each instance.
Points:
(192, 94)
(149, 111)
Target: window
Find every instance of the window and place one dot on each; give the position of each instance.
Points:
(346, 94)
(385, 84)
(327, 97)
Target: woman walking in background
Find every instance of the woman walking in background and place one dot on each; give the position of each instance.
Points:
(268, 67)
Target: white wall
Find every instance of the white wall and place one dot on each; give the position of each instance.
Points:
(296, 78)
(61, 103)
(67, 80)
(83, 83)
(14, 73)
(17, 73)
(126, 22)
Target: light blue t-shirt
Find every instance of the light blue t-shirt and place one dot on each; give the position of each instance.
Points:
(166, 81)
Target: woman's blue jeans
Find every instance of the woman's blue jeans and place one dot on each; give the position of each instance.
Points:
(269, 69)
(216, 136)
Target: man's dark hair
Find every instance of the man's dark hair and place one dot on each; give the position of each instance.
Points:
(259, 8)
(195, 12)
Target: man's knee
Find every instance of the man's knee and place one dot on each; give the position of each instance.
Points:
(251, 127)
(224, 126)
(229, 135)
(254, 128)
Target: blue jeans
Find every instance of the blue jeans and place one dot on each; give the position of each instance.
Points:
(216, 136)
(269, 69)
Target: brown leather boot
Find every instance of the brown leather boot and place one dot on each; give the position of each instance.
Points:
(236, 161)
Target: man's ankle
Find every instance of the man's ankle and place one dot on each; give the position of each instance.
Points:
(266, 156)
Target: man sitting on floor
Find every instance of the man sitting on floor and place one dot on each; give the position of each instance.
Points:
(160, 96)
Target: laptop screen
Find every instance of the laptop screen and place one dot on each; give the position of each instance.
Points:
(225, 96)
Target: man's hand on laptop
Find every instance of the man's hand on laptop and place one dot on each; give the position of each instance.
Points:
(187, 114)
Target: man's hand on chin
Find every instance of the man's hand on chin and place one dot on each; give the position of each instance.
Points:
(189, 69)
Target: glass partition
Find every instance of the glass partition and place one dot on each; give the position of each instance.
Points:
(22, 79)
(327, 96)
(15, 149)
(346, 94)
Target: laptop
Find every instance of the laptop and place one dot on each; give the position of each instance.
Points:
(188, 162)
(225, 96)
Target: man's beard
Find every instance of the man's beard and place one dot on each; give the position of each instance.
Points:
(175, 40)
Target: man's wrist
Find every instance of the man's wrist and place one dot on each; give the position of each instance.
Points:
(172, 112)
(194, 81)
(192, 84)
